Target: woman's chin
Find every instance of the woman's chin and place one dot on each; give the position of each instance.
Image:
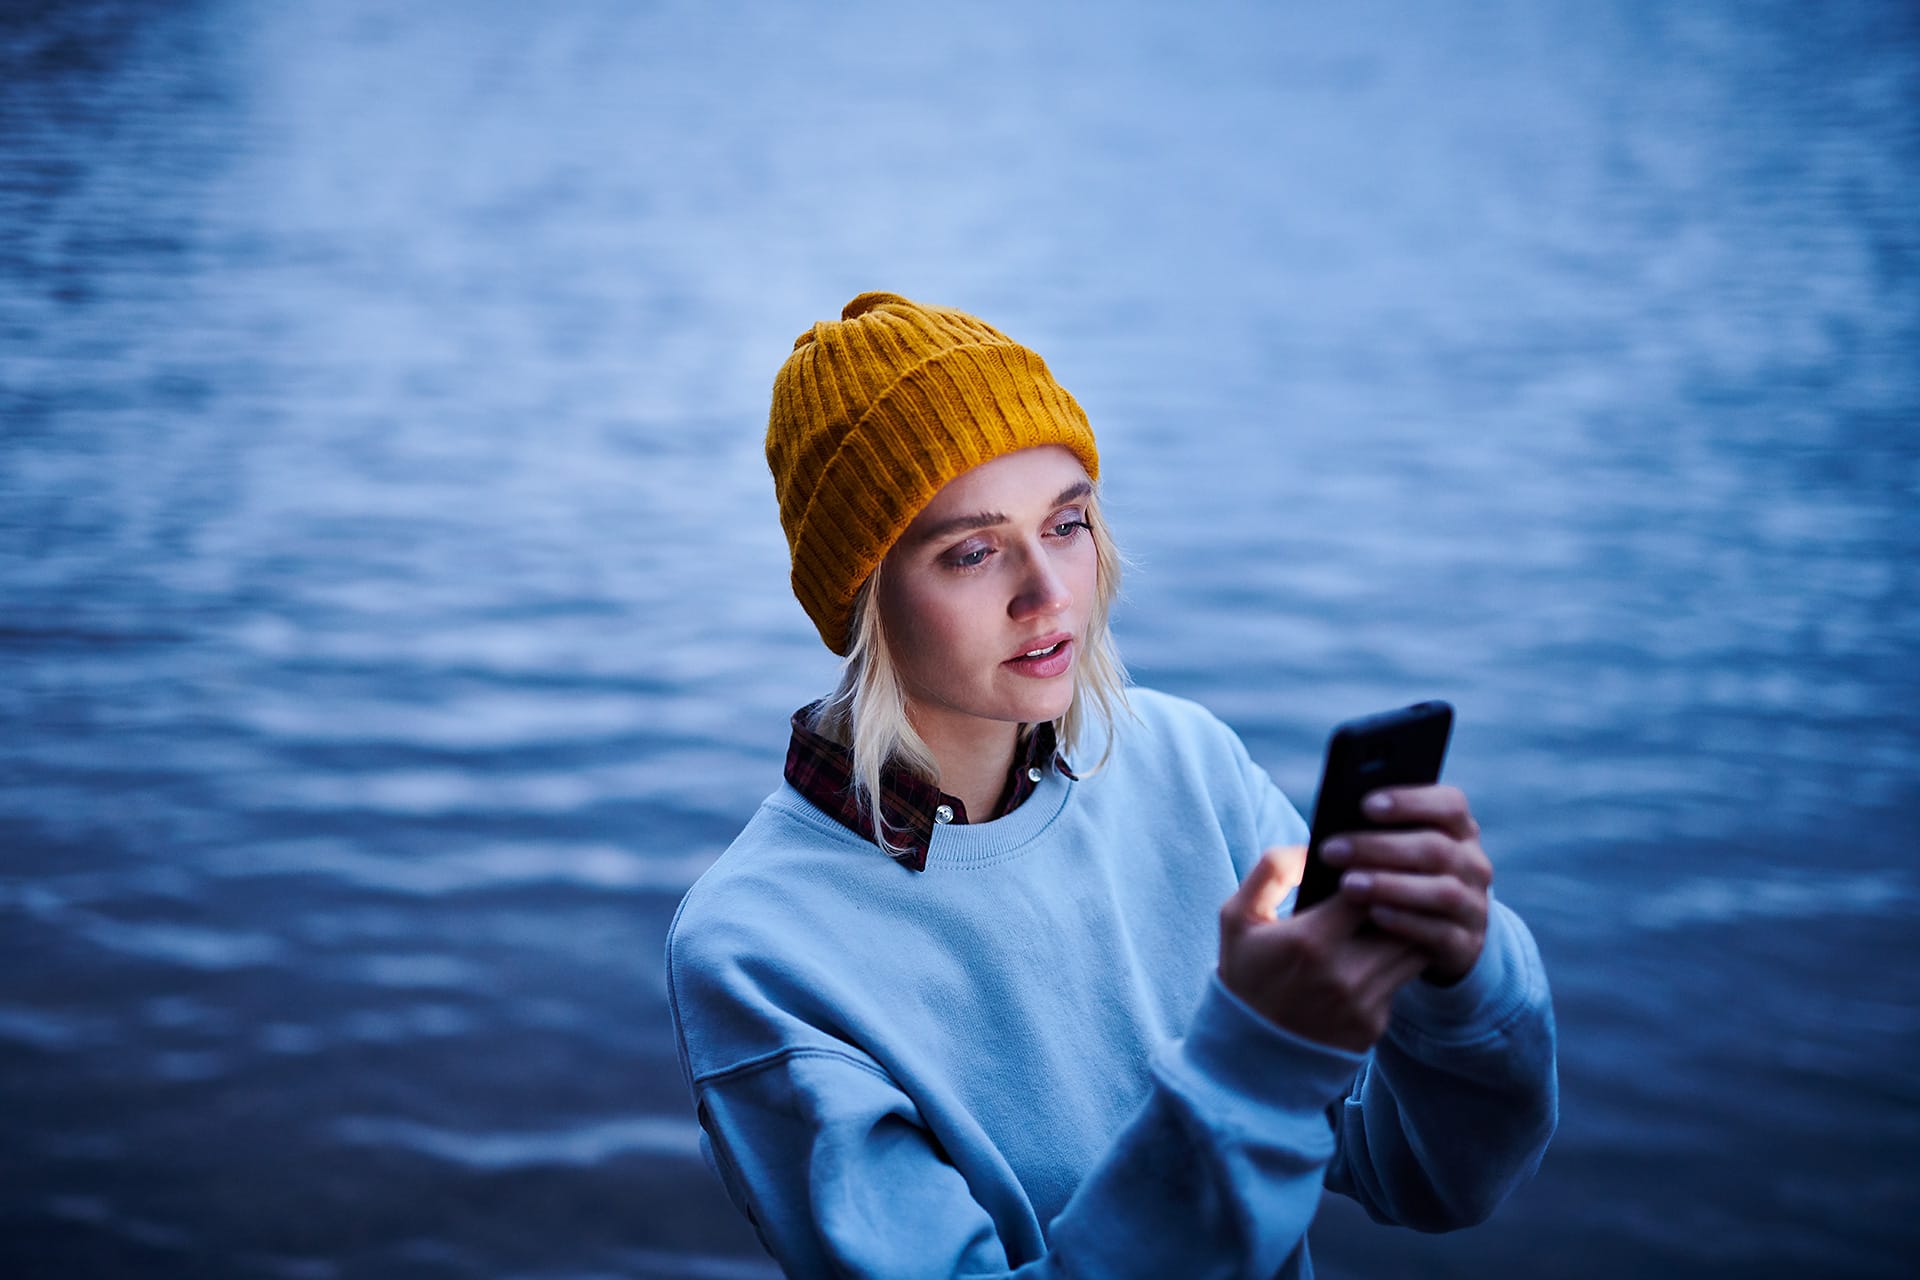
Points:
(1048, 704)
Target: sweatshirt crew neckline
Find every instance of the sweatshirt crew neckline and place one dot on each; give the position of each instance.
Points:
(956, 846)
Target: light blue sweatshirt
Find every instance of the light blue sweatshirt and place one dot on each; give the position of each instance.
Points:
(1021, 1060)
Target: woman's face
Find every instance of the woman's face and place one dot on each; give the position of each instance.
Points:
(985, 598)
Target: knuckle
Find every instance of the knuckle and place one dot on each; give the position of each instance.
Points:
(1387, 850)
(1382, 849)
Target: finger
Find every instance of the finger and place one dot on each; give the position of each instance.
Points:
(1449, 943)
(1441, 897)
(1436, 806)
(1267, 884)
(1333, 920)
(1402, 971)
(1380, 952)
(1293, 861)
(1380, 984)
(1427, 850)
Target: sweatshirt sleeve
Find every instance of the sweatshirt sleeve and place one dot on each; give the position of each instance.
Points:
(1218, 1173)
(1456, 1104)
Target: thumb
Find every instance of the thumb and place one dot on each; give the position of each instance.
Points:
(1260, 894)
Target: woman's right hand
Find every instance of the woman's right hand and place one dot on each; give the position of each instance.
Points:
(1317, 974)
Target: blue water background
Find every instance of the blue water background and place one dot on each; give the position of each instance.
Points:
(394, 621)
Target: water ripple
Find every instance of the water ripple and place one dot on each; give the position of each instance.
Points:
(1720, 900)
(191, 946)
(49, 1032)
(493, 1152)
(479, 865)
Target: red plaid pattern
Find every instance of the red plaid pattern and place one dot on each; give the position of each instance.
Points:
(822, 770)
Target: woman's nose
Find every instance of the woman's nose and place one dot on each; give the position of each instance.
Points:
(1042, 591)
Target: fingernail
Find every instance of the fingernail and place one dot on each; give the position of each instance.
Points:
(1358, 881)
(1336, 850)
(1377, 803)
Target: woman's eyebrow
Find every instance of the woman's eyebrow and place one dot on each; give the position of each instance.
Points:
(1078, 489)
(988, 519)
(956, 524)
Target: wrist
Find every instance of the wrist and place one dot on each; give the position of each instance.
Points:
(1498, 981)
(1438, 975)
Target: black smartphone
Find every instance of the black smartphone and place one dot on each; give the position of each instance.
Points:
(1402, 748)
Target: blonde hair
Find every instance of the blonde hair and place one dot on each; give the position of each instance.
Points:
(867, 711)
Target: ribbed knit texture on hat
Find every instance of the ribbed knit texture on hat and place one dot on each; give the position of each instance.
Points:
(872, 414)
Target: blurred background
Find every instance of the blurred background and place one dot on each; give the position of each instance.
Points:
(394, 619)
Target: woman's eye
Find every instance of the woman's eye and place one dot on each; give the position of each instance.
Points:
(970, 559)
(1067, 528)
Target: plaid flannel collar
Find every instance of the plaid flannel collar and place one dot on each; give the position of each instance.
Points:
(822, 770)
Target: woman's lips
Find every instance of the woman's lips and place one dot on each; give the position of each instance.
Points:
(1054, 657)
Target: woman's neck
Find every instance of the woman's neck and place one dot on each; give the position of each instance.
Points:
(975, 757)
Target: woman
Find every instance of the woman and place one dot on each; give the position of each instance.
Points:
(1000, 979)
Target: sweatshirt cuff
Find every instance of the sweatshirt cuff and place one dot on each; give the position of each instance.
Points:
(1482, 1001)
(1233, 1048)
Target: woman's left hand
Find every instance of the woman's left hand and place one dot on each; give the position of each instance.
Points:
(1426, 881)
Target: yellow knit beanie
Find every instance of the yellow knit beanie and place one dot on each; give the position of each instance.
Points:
(874, 413)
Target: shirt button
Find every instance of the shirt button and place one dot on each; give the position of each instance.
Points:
(943, 814)
(1033, 774)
